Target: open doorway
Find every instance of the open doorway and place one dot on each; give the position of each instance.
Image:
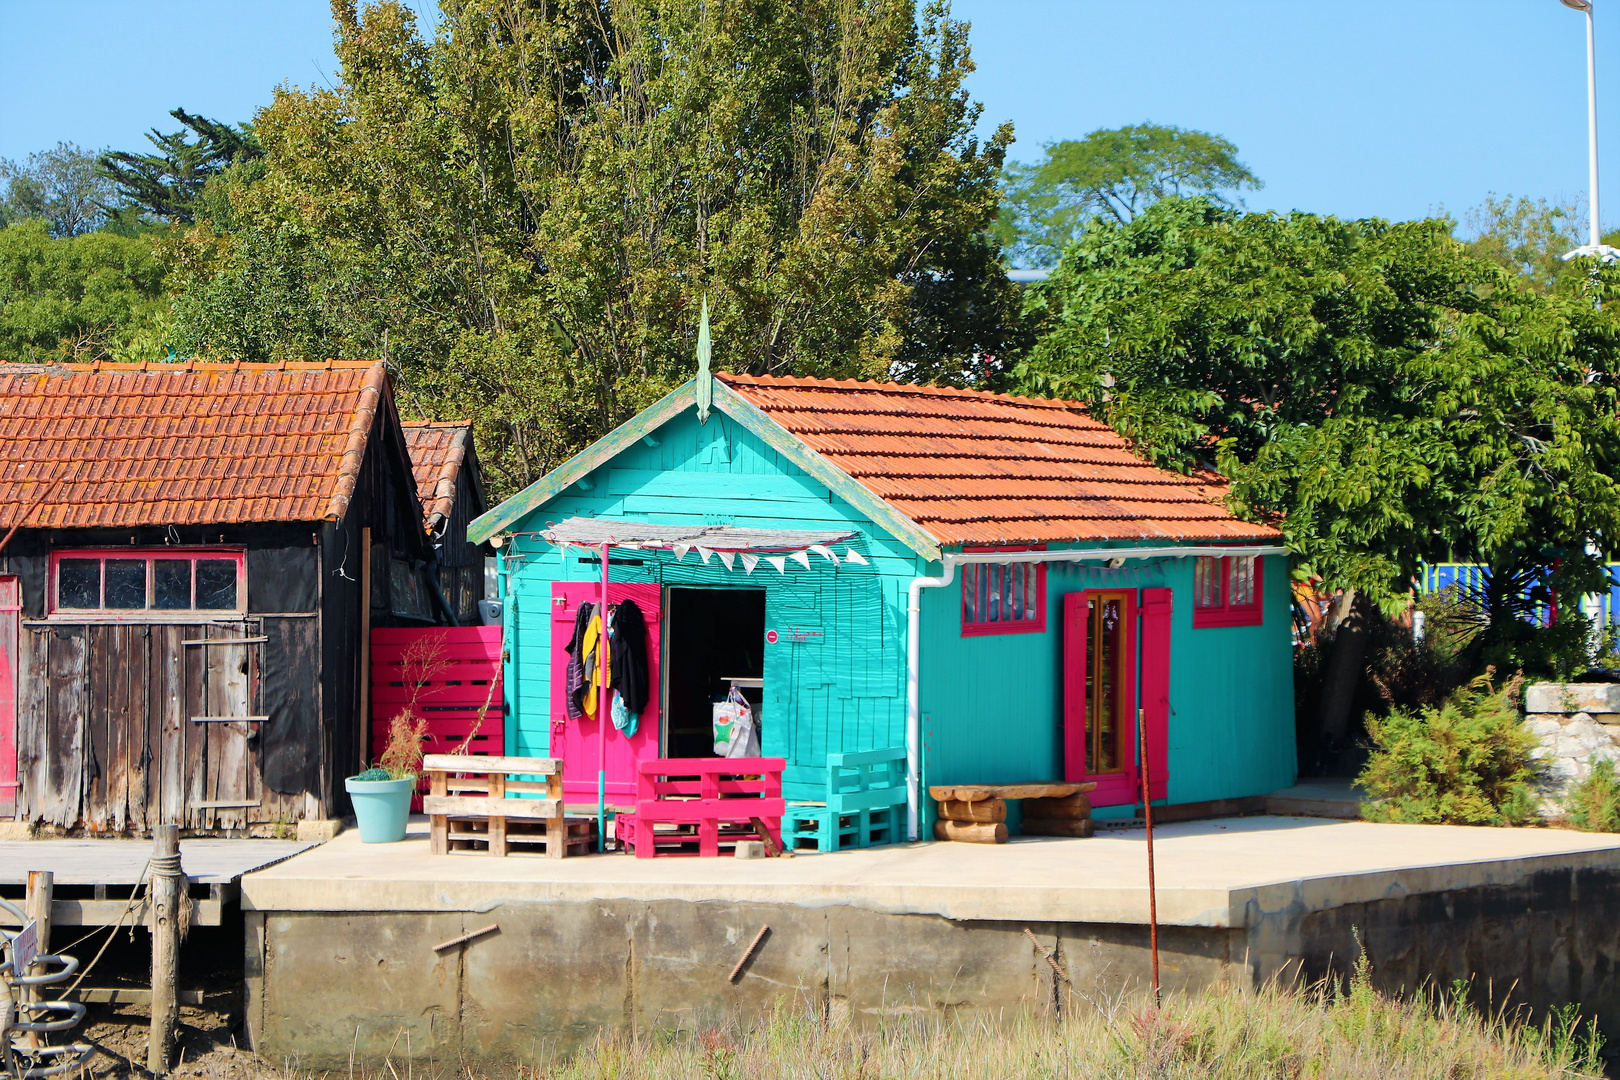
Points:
(714, 637)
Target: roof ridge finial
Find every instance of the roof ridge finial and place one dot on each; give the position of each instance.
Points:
(705, 379)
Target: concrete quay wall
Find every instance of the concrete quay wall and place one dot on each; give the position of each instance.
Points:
(325, 983)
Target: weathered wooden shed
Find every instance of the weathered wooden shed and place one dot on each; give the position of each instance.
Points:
(451, 488)
(1011, 585)
(190, 544)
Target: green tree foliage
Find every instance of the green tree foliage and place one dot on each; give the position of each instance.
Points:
(93, 297)
(1527, 237)
(1112, 173)
(1469, 762)
(60, 187)
(168, 185)
(523, 212)
(1379, 393)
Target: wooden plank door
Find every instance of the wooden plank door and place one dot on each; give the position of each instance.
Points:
(10, 614)
(220, 774)
(577, 741)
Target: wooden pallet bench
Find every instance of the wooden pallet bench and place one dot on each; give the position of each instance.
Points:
(695, 806)
(866, 794)
(470, 806)
(977, 813)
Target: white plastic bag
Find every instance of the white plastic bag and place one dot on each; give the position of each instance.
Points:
(735, 735)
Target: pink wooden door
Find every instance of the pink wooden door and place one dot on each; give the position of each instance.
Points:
(10, 612)
(1103, 687)
(577, 741)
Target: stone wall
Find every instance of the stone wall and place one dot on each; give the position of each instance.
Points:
(1577, 723)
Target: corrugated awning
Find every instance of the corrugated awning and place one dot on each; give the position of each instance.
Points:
(620, 532)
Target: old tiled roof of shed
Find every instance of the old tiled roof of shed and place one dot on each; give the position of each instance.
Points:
(438, 449)
(116, 445)
(979, 468)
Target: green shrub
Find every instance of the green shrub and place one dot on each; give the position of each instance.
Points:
(1467, 762)
(1593, 804)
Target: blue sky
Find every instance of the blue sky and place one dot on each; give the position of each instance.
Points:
(1392, 108)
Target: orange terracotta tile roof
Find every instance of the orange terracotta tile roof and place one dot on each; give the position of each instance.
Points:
(116, 445)
(979, 468)
(437, 449)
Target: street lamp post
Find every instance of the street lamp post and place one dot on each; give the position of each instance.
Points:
(1594, 245)
(1592, 606)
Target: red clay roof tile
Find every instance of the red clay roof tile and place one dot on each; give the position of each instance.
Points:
(117, 445)
(437, 450)
(979, 468)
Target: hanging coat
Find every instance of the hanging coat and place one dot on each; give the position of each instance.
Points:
(627, 639)
(574, 689)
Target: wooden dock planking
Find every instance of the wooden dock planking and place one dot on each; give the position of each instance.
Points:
(104, 865)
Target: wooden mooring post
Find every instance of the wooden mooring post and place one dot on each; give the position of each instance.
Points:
(37, 909)
(167, 882)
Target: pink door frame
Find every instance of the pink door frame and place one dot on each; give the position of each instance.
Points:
(10, 614)
(1146, 686)
(576, 741)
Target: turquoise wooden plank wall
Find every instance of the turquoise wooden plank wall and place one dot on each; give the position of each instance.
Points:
(992, 706)
(834, 679)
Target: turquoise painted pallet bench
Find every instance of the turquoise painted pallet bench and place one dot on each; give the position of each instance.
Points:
(866, 796)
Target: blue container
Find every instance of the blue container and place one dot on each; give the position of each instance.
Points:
(381, 808)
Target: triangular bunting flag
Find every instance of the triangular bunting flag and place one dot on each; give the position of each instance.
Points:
(704, 553)
(680, 551)
(749, 562)
(802, 558)
(727, 557)
(851, 555)
(778, 561)
(825, 552)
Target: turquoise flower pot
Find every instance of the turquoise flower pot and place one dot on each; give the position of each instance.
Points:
(381, 808)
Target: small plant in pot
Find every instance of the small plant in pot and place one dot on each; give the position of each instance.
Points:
(382, 795)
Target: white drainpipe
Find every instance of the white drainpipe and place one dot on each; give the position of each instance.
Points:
(951, 561)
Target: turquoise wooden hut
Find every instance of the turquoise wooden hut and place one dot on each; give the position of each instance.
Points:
(995, 583)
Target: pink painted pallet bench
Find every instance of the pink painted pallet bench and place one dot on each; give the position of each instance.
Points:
(702, 804)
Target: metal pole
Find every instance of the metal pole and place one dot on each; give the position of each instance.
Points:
(1147, 811)
(1591, 127)
(602, 719)
(167, 881)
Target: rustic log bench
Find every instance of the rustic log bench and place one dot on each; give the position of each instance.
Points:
(491, 820)
(977, 813)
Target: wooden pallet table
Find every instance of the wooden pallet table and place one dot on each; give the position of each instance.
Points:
(977, 813)
(471, 805)
(696, 806)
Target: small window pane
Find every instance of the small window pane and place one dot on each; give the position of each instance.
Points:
(1032, 605)
(216, 584)
(1019, 572)
(970, 593)
(126, 584)
(993, 612)
(171, 584)
(78, 583)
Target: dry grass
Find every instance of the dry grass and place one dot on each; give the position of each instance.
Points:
(1323, 1033)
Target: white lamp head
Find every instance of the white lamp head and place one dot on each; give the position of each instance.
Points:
(1578, 5)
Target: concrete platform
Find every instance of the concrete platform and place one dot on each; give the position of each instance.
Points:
(347, 944)
(1224, 873)
(1329, 797)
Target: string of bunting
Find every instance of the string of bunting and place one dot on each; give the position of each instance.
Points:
(730, 544)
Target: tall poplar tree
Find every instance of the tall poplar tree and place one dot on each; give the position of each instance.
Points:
(524, 211)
